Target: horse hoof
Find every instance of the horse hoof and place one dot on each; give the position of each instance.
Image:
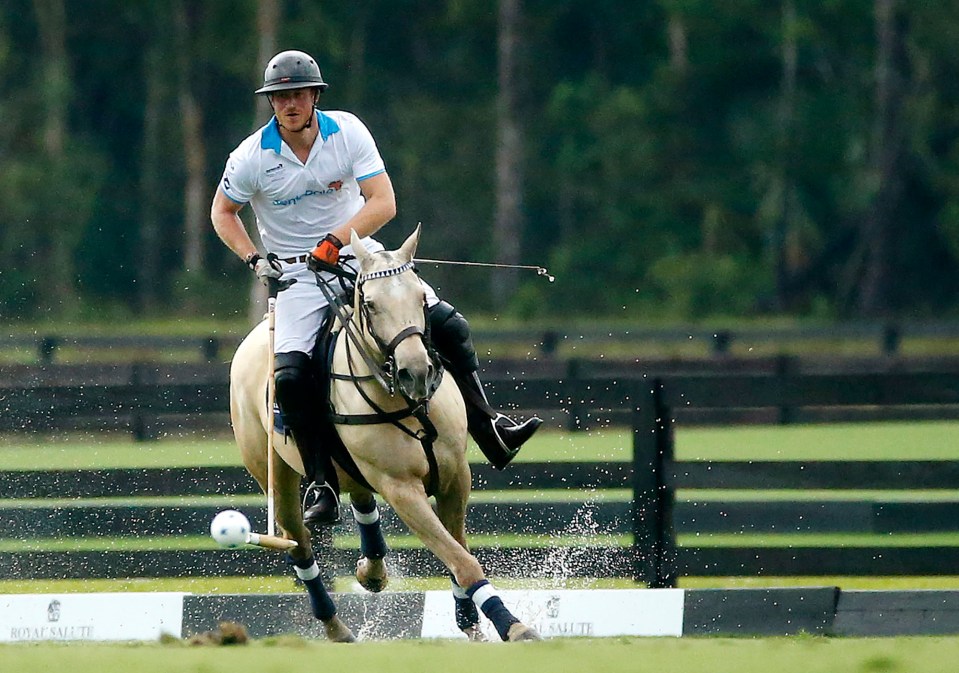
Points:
(337, 631)
(475, 634)
(519, 631)
(371, 574)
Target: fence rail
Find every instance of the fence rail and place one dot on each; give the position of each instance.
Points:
(887, 338)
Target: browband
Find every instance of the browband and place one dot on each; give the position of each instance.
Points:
(384, 273)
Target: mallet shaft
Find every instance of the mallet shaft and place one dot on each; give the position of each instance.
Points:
(270, 401)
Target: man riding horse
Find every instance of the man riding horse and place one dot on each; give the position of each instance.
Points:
(312, 177)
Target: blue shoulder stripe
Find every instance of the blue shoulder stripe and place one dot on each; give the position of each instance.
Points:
(270, 138)
(327, 125)
(370, 175)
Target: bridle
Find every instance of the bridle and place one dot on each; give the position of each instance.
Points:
(388, 348)
(381, 364)
(384, 372)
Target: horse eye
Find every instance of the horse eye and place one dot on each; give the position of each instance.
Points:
(369, 305)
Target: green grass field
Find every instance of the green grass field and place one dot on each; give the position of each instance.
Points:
(921, 440)
(800, 654)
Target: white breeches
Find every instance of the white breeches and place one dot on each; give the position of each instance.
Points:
(300, 308)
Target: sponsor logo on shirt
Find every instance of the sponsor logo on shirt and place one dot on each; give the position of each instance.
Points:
(275, 169)
(332, 188)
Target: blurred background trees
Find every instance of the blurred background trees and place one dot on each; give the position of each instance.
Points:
(665, 159)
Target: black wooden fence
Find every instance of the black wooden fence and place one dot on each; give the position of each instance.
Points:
(658, 475)
(654, 516)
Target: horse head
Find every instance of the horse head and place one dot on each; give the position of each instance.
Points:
(391, 305)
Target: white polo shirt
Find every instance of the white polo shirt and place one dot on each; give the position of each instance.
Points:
(297, 204)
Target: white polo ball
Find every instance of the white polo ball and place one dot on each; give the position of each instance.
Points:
(230, 528)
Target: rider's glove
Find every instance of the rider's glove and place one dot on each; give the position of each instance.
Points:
(326, 251)
(266, 269)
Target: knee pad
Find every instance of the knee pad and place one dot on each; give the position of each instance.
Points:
(450, 333)
(294, 382)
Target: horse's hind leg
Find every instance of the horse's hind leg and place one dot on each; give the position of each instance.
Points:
(289, 516)
(371, 567)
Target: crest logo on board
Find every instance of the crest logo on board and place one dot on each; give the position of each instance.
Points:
(53, 611)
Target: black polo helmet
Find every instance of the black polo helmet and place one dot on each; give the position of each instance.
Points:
(291, 70)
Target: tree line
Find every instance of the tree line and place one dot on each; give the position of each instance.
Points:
(664, 159)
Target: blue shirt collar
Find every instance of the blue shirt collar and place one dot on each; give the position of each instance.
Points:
(270, 138)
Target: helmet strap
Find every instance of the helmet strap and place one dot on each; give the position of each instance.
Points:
(316, 99)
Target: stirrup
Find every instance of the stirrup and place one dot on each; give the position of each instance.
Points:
(321, 505)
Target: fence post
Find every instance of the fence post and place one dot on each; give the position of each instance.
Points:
(550, 343)
(576, 420)
(46, 349)
(211, 348)
(142, 419)
(653, 536)
(891, 339)
(786, 366)
(721, 341)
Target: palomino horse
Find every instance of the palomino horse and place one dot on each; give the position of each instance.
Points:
(404, 425)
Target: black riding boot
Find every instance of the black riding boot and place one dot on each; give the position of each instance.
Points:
(298, 398)
(498, 436)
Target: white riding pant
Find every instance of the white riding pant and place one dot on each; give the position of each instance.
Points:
(300, 308)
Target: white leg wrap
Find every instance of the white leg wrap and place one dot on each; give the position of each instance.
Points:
(458, 591)
(308, 573)
(483, 594)
(362, 517)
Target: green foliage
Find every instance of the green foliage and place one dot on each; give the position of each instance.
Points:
(674, 164)
(698, 285)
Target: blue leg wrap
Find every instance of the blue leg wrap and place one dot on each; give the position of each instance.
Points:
(320, 601)
(484, 596)
(372, 543)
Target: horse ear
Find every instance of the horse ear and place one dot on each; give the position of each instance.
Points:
(362, 254)
(408, 249)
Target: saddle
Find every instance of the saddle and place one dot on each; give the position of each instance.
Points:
(322, 368)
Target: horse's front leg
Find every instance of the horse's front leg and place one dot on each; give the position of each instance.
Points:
(410, 502)
(371, 570)
(289, 516)
(451, 509)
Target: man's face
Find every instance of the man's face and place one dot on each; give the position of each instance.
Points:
(294, 107)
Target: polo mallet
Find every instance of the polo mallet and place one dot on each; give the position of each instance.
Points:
(273, 288)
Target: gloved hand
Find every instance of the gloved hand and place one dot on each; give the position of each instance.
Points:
(326, 251)
(266, 269)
